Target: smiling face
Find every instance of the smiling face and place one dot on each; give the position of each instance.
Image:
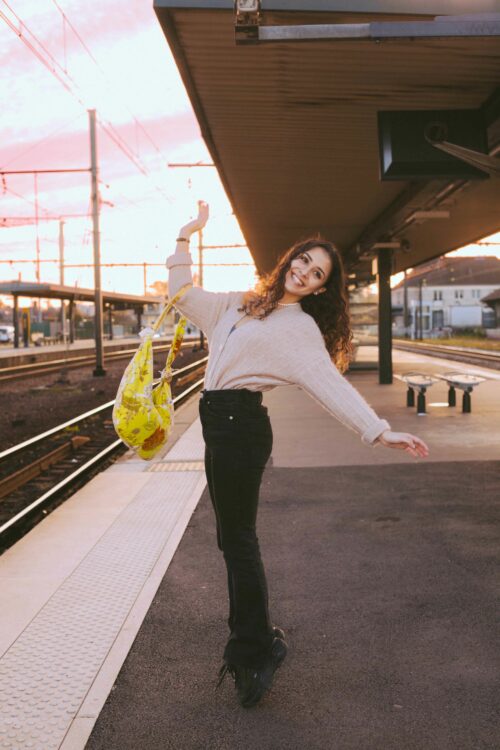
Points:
(308, 274)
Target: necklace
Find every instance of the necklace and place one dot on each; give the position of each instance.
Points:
(287, 304)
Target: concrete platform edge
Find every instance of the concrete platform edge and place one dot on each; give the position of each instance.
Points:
(84, 721)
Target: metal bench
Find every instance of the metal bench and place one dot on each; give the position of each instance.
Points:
(465, 382)
(39, 339)
(419, 380)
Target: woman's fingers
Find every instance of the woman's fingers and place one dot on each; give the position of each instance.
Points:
(421, 447)
(416, 446)
(409, 443)
(198, 223)
(202, 218)
(202, 213)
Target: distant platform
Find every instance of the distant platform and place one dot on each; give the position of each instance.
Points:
(10, 356)
(59, 291)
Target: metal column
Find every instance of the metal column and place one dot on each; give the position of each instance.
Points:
(420, 317)
(99, 349)
(200, 279)
(110, 321)
(406, 322)
(71, 316)
(384, 269)
(61, 276)
(16, 321)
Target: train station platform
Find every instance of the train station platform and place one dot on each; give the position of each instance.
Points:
(381, 570)
(7, 351)
(11, 357)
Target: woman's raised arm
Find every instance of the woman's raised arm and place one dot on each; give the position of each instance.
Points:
(179, 264)
(201, 307)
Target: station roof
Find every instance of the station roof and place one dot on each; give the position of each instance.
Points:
(56, 291)
(482, 270)
(492, 297)
(292, 127)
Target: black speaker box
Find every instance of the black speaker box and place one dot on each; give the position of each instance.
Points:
(406, 154)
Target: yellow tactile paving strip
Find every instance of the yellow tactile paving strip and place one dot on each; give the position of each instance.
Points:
(177, 466)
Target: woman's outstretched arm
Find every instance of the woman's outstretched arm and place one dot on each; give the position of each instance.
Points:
(323, 382)
(318, 376)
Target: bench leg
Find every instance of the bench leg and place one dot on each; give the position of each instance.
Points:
(452, 396)
(410, 397)
(466, 403)
(421, 402)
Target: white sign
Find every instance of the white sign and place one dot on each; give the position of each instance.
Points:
(465, 315)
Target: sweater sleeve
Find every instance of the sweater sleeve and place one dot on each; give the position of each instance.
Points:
(202, 308)
(317, 375)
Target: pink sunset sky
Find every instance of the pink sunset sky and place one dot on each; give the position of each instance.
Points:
(112, 57)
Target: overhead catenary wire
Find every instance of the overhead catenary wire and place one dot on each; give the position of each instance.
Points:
(52, 64)
(12, 261)
(131, 202)
(29, 220)
(43, 140)
(19, 33)
(18, 195)
(71, 86)
(99, 67)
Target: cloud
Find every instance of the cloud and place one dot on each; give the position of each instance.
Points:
(96, 23)
(70, 148)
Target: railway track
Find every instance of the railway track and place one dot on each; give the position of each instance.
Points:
(457, 353)
(40, 473)
(16, 372)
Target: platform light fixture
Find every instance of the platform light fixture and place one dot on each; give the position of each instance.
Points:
(247, 20)
(424, 215)
(386, 245)
(247, 6)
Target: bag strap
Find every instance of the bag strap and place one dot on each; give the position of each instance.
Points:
(168, 306)
(166, 373)
(174, 349)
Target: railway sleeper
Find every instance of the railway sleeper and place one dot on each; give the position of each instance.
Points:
(36, 468)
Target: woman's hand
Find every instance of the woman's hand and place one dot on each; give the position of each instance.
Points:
(198, 223)
(404, 441)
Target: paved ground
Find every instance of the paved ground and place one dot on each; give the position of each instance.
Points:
(384, 579)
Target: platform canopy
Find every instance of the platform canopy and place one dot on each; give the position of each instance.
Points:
(292, 126)
(115, 300)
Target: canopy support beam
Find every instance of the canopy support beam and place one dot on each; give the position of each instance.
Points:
(486, 26)
(384, 270)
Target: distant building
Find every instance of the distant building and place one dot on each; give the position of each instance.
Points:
(453, 292)
(363, 310)
(150, 313)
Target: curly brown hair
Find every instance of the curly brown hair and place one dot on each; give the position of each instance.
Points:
(330, 309)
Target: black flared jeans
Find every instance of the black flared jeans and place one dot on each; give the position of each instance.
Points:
(238, 442)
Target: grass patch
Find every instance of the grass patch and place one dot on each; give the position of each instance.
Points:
(471, 342)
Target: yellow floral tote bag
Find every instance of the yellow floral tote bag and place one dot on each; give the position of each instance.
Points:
(143, 414)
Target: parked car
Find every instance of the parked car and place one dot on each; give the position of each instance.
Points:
(6, 334)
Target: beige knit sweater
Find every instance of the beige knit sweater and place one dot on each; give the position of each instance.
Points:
(286, 348)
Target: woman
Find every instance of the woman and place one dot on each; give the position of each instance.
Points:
(286, 332)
